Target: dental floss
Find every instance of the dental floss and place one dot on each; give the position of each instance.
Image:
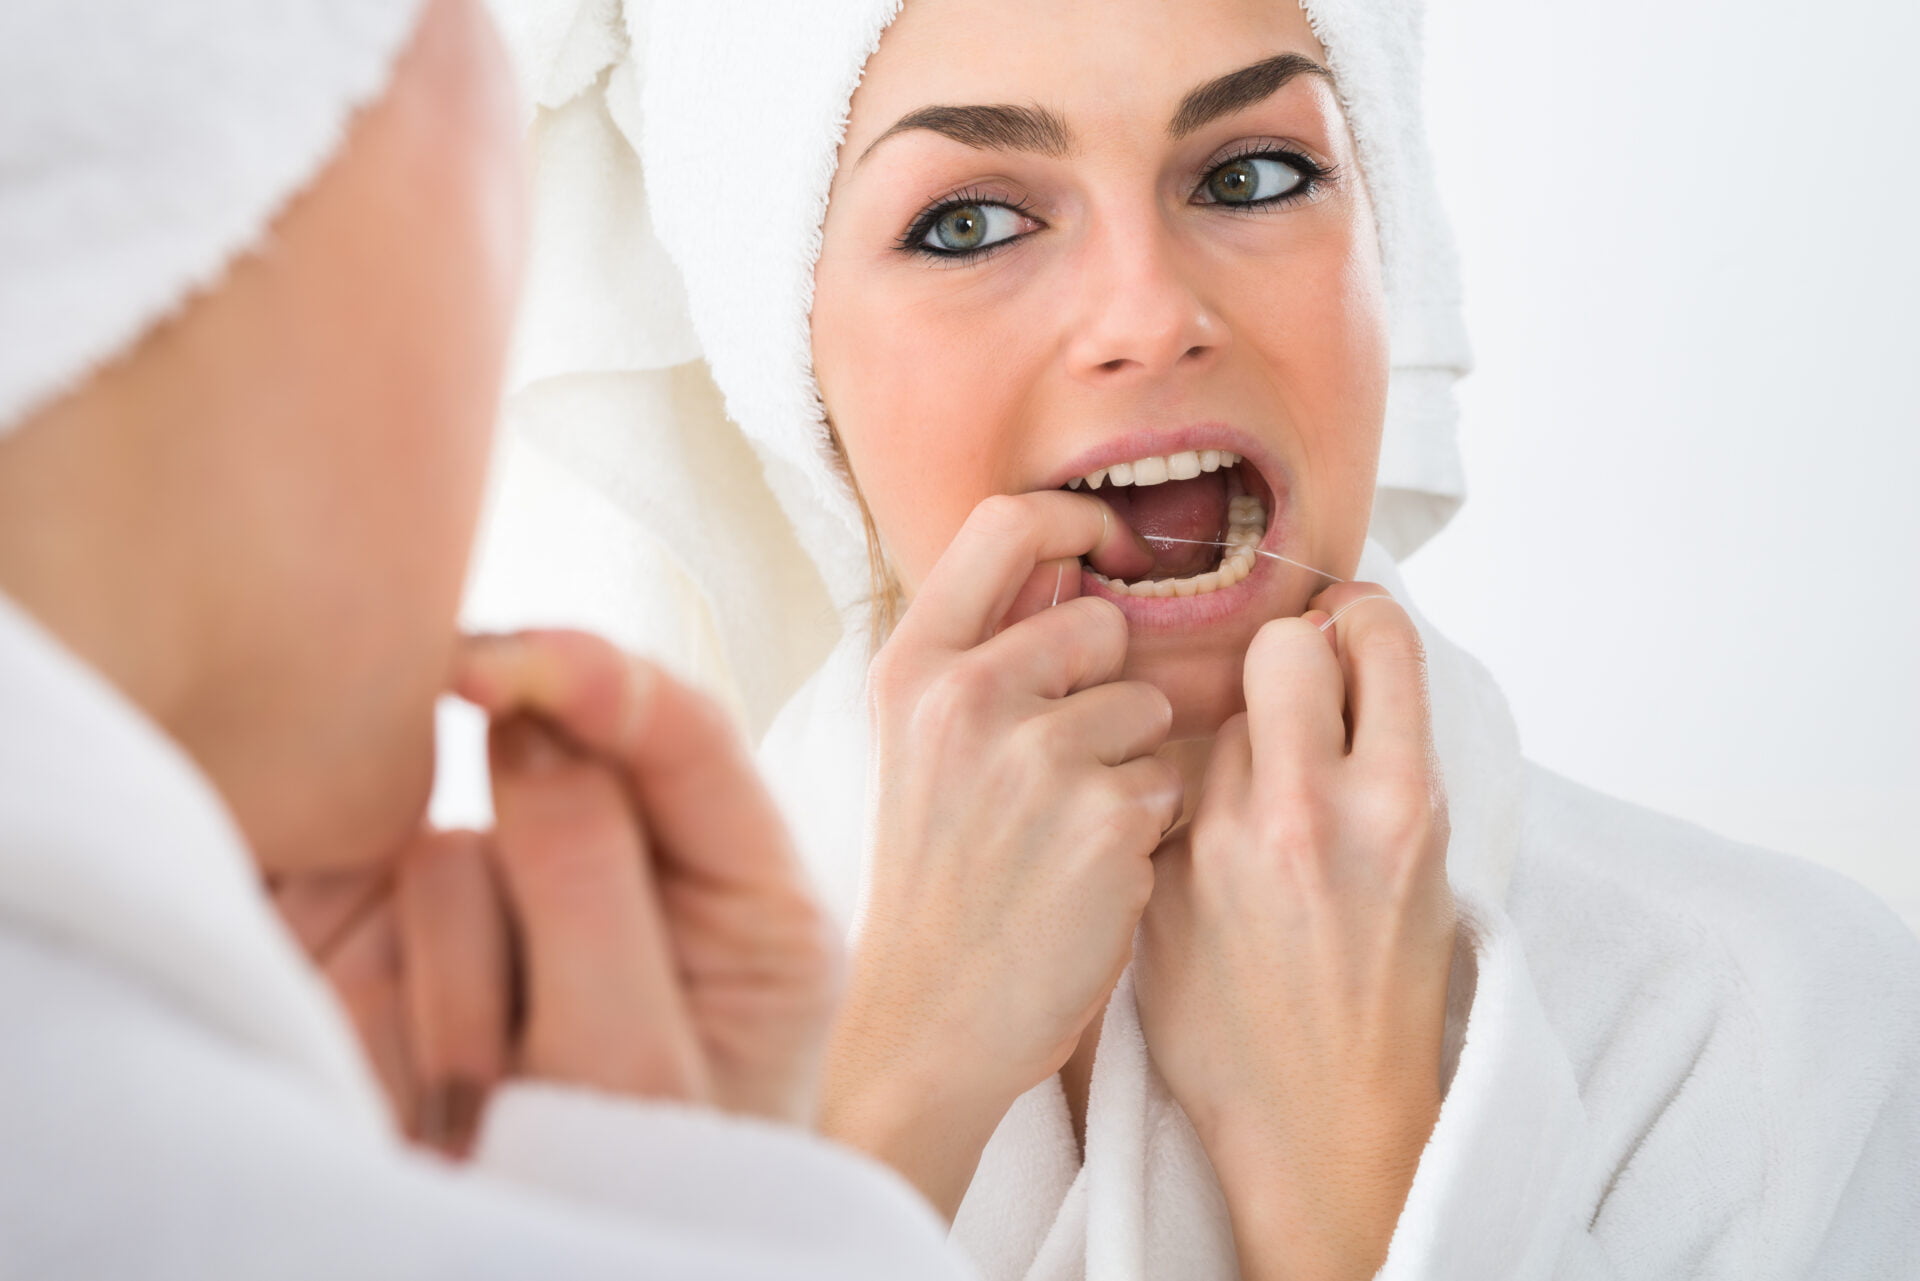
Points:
(1059, 575)
(1260, 551)
(1361, 600)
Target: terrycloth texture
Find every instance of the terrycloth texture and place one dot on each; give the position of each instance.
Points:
(144, 144)
(1677, 1058)
(638, 268)
(181, 1098)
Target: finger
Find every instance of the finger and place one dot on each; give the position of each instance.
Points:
(1229, 776)
(1384, 666)
(1155, 791)
(1117, 721)
(604, 1006)
(365, 973)
(1051, 583)
(323, 909)
(458, 983)
(1057, 651)
(1295, 697)
(686, 764)
(973, 584)
(587, 686)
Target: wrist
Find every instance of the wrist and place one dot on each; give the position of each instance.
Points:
(1321, 1204)
(899, 1092)
(930, 1127)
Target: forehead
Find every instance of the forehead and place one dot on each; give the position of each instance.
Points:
(1087, 59)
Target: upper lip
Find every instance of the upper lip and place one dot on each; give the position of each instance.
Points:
(1152, 441)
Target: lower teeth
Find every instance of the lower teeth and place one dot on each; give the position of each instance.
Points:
(1246, 526)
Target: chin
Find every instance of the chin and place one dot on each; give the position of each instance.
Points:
(354, 812)
(1203, 683)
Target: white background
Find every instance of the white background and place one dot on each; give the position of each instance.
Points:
(1691, 233)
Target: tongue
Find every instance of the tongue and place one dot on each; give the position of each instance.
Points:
(1195, 510)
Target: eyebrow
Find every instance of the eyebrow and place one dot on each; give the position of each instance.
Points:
(1036, 129)
(998, 128)
(1238, 90)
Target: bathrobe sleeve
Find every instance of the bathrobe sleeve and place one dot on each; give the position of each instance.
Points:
(139, 1144)
(1685, 1060)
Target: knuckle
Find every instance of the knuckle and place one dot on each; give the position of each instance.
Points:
(1155, 708)
(1296, 829)
(955, 701)
(1153, 792)
(1105, 625)
(1400, 813)
(1044, 740)
(1001, 516)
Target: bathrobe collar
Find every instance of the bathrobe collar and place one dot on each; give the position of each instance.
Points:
(113, 844)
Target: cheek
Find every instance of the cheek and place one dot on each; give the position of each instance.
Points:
(1317, 324)
(926, 400)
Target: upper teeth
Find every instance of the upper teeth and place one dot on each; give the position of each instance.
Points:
(1156, 470)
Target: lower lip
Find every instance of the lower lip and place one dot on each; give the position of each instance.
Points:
(1225, 604)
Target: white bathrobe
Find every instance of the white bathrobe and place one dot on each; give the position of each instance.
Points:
(180, 1097)
(1682, 1058)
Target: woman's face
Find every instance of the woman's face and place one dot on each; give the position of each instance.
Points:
(1087, 233)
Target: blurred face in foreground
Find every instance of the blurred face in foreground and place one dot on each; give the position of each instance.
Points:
(290, 470)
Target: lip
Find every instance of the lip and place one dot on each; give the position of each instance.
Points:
(1185, 613)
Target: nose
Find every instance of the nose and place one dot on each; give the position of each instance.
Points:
(1141, 315)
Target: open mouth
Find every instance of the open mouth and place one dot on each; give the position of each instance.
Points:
(1203, 512)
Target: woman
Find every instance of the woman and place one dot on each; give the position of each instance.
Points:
(236, 501)
(1090, 313)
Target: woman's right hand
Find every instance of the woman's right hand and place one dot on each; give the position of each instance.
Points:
(636, 922)
(1017, 807)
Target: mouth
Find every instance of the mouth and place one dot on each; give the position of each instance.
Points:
(1203, 511)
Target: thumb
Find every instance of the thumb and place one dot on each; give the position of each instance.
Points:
(603, 1000)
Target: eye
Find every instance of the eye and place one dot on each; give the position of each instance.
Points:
(1253, 180)
(964, 229)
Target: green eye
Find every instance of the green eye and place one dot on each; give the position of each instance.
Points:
(963, 229)
(1251, 180)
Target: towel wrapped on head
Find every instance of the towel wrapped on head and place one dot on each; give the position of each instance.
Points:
(144, 146)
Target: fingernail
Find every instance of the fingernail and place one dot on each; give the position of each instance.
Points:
(476, 661)
(1318, 617)
(523, 744)
(1129, 556)
(450, 1113)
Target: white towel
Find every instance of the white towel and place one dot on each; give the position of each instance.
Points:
(144, 144)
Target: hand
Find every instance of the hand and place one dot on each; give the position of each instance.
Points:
(417, 951)
(757, 961)
(677, 958)
(1294, 960)
(1016, 809)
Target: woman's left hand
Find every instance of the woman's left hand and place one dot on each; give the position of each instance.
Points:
(1293, 963)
